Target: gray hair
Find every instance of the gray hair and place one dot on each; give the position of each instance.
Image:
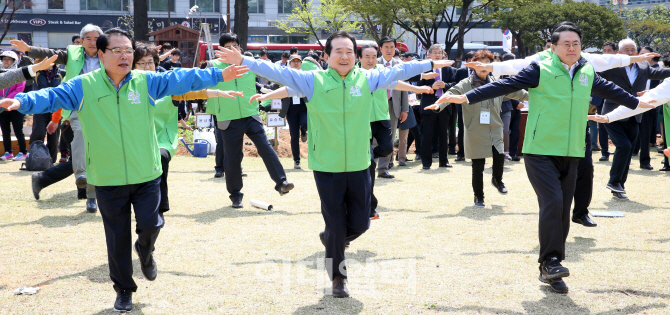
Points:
(433, 47)
(627, 41)
(90, 28)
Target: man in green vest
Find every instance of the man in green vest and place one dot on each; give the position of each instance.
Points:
(560, 86)
(338, 109)
(237, 117)
(78, 59)
(116, 108)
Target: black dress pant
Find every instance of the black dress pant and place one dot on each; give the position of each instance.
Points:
(297, 123)
(345, 206)
(624, 135)
(553, 179)
(452, 129)
(56, 173)
(381, 132)
(603, 137)
(514, 132)
(66, 136)
(414, 137)
(218, 157)
(461, 132)
(12, 120)
(584, 183)
(435, 124)
(165, 163)
(647, 126)
(233, 140)
(478, 172)
(114, 203)
(40, 122)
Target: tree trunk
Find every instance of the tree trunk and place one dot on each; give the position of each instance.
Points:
(462, 23)
(241, 26)
(141, 19)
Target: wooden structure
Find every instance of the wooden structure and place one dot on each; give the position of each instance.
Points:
(182, 37)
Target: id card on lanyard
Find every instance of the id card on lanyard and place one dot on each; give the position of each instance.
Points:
(296, 100)
(485, 115)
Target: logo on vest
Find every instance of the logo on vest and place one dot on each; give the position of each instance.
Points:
(134, 97)
(355, 91)
(584, 79)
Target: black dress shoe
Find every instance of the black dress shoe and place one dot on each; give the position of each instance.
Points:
(81, 182)
(322, 237)
(479, 202)
(446, 165)
(452, 152)
(218, 174)
(620, 196)
(615, 187)
(604, 158)
(402, 164)
(516, 158)
(36, 185)
(436, 155)
(647, 167)
(91, 206)
(499, 186)
(340, 288)
(556, 285)
(662, 169)
(385, 174)
(237, 204)
(426, 167)
(460, 158)
(81, 193)
(284, 188)
(124, 301)
(551, 268)
(147, 264)
(584, 220)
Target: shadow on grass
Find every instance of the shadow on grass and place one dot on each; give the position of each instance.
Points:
(625, 206)
(58, 201)
(331, 305)
(137, 309)
(480, 214)
(631, 292)
(60, 221)
(384, 209)
(663, 240)
(552, 303)
(18, 173)
(230, 212)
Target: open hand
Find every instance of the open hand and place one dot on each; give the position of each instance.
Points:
(10, 104)
(45, 64)
(257, 97)
(226, 94)
(432, 107)
(442, 63)
(603, 119)
(424, 90)
(233, 72)
(648, 104)
(643, 57)
(51, 127)
(479, 66)
(429, 75)
(20, 45)
(447, 98)
(233, 57)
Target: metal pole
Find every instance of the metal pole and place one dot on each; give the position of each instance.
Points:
(227, 16)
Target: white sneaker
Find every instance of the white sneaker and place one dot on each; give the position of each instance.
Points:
(20, 157)
(7, 156)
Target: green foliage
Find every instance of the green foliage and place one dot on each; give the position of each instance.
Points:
(649, 27)
(535, 22)
(373, 14)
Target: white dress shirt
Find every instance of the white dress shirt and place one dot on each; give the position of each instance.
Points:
(598, 62)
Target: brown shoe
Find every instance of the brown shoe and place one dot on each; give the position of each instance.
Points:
(340, 288)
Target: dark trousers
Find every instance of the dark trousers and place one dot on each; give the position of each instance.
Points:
(435, 124)
(114, 203)
(12, 120)
(56, 173)
(452, 129)
(218, 157)
(624, 134)
(478, 172)
(345, 206)
(297, 122)
(514, 132)
(584, 183)
(233, 140)
(647, 126)
(165, 162)
(461, 131)
(40, 122)
(66, 136)
(603, 136)
(415, 137)
(381, 132)
(553, 179)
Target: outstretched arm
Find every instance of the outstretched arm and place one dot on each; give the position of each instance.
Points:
(68, 95)
(656, 97)
(274, 95)
(402, 86)
(180, 81)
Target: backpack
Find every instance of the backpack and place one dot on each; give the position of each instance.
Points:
(39, 157)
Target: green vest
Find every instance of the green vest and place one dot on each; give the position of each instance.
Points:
(231, 109)
(558, 108)
(308, 66)
(75, 63)
(118, 128)
(166, 117)
(380, 107)
(339, 122)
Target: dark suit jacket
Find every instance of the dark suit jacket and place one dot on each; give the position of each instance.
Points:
(619, 77)
(447, 75)
(461, 74)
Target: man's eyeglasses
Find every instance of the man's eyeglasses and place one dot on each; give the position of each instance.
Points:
(118, 51)
(568, 45)
(144, 64)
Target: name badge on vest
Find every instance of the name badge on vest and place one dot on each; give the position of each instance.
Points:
(296, 100)
(485, 117)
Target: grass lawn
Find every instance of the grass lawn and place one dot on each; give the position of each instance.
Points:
(431, 251)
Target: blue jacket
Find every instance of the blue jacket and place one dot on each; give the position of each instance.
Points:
(70, 95)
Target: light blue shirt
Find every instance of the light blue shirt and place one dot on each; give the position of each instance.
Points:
(301, 83)
(90, 64)
(632, 72)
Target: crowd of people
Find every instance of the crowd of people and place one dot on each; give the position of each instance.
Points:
(117, 97)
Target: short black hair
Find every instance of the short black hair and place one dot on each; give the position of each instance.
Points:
(611, 44)
(508, 56)
(561, 24)
(144, 50)
(469, 55)
(645, 47)
(567, 27)
(103, 40)
(262, 53)
(176, 51)
(313, 55)
(666, 60)
(227, 38)
(364, 47)
(397, 53)
(547, 41)
(294, 50)
(387, 39)
(285, 54)
(407, 54)
(248, 54)
(338, 34)
(166, 46)
(75, 37)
